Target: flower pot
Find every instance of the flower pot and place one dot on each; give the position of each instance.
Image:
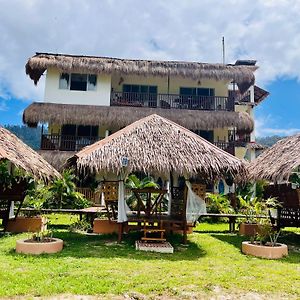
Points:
(248, 229)
(30, 247)
(265, 251)
(27, 224)
(105, 226)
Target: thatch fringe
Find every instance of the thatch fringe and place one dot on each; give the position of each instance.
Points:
(114, 116)
(56, 158)
(22, 156)
(242, 75)
(277, 163)
(158, 146)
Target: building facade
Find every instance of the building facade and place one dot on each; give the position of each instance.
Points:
(88, 98)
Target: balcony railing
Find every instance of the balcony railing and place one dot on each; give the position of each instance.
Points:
(66, 142)
(168, 101)
(226, 146)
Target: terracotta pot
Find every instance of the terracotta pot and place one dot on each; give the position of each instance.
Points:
(23, 246)
(27, 224)
(276, 252)
(248, 229)
(105, 226)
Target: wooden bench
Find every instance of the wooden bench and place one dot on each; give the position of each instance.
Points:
(231, 218)
(286, 217)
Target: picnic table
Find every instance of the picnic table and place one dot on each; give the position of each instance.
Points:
(232, 218)
(89, 212)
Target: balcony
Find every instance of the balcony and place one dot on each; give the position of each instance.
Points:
(174, 101)
(226, 146)
(66, 142)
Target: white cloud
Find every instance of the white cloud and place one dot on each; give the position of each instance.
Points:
(266, 125)
(268, 31)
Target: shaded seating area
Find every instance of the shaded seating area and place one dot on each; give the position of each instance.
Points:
(148, 146)
(277, 164)
(16, 154)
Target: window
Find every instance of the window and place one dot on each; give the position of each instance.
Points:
(143, 94)
(186, 91)
(78, 82)
(206, 134)
(143, 89)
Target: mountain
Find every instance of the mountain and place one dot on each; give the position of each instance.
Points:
(269, 141)
(30, 136)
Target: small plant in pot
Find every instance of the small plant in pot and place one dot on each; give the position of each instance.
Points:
(264, 244)
(32, 219)
(252, 208)
(40, 242)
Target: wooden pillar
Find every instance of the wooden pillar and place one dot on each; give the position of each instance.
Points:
(184, 215)
(120, 232)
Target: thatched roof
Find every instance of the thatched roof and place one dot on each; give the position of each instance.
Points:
(36, 66)
(260, 94)
(22, 156)
(56, 158)
(122, 116)
(256, 146)
(277, 162)
(158, 146)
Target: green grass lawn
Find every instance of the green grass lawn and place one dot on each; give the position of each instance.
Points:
(91, 265)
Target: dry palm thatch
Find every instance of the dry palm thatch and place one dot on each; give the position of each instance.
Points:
(276, 163)
(158, 146)
(56, 158)
(123, 116)
(242, 75)
(22, 156)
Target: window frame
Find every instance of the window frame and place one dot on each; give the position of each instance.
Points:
(68, 78)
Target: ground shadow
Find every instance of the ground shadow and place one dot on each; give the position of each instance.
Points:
(79, 245)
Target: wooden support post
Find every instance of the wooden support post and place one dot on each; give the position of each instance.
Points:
(120, 232)
(184, 216)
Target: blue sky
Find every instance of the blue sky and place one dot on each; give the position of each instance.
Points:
(265, 30)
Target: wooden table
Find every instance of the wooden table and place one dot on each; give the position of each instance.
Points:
(152, 204)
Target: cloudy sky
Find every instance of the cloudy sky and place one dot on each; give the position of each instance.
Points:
(265, 30)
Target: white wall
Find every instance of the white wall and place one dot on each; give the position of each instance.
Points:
(101, 96)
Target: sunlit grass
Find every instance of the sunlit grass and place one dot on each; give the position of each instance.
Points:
(93, 265)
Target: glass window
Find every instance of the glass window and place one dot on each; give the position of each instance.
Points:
(78, 82)
(64, 81)
(92, 82)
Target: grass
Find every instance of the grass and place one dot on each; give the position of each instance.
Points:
(97, 265)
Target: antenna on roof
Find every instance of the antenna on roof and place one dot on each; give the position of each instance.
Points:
(223, 49)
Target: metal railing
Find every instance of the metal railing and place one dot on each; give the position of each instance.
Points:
(226, 146)
(66, 142)
(174, 101)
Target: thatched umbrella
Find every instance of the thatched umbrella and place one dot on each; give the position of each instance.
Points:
(276, 163)
(241, 74)
(22, 156)
(158, 146)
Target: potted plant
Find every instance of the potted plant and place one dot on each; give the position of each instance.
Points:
(265, 244)
(38, 243)
(251, 208)
(31, 221)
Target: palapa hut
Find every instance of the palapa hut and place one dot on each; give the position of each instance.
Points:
(22, 156)
(160, 147)
(276, 165)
